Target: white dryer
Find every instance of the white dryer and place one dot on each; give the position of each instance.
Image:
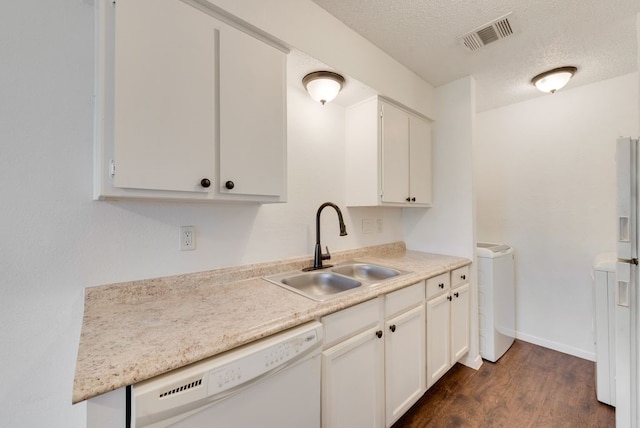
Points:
(496, 299)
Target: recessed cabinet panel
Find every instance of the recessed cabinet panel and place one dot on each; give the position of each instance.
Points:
(252, 116)
(420, 160)
(460, 330)
(164, 110)
(438, 338)
(352, 382)
(405, 362)
(395, 153)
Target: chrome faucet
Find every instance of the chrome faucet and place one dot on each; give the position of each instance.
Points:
(318, 257)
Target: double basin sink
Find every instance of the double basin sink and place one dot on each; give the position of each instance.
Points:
(331, 282)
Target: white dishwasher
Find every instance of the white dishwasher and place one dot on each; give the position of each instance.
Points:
(273, 382)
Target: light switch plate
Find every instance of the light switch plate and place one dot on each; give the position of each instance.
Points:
(368, 226)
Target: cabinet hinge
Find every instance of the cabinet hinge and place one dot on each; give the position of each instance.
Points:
(112, 168)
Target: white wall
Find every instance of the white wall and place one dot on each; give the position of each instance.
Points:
(545, 183)
(449, 226)
(55, 240)
(312, 30)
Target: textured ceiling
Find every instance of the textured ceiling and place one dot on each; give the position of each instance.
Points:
(597, 36)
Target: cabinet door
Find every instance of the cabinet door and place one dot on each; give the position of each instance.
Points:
(164, 85)
(404, 362)
(252, 116)
(438, 337)
(353, 381)
(419, 160)
(459, 322)
(395, 154)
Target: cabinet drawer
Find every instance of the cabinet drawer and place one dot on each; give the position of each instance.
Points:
(402, 299)
(438, 285)
(459, 276)
(347, 322)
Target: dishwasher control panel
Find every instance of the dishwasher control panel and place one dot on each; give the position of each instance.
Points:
(261, 362)
(183, 390)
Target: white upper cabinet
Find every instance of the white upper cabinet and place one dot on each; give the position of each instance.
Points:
(388, 156)
(252, 116)
(164, 102)
(420, 171)
(394, 124)
(189, 107)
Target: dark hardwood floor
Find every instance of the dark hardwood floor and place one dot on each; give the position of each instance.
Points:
(529, 386)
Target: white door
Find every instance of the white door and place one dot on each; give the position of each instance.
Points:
(164, 109)
(459, 322)
(252, 116)
(438, 337)
(405, 362)
(395, 154)
(353, 381)
(420, 160)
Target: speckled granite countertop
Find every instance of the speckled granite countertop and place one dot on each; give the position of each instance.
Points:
(137, 330)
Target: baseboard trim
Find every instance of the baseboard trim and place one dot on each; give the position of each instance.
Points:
(576, 352)
(472, 362)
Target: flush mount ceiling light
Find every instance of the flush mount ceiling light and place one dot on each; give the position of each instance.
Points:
(323, 86)
(552, 80)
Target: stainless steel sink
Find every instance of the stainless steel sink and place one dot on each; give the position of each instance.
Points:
(332, 282)
(366, 272)
(316, 285)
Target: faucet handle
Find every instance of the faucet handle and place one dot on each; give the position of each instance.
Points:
(326, 256)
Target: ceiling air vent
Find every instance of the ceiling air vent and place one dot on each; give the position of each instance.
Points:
(488, 33)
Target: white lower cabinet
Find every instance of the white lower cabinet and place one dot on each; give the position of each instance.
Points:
(438, 337)
(352, 382)
(447, 315)
(373, 360)
(404, 362)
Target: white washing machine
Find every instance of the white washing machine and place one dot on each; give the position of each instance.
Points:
(496, 299)
(604, 282)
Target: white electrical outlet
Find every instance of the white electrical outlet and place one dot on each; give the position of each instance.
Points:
(187, 238)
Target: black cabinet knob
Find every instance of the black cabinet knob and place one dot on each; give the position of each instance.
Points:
(449, 298)
(229, 185)
(379, 334)
(408, 199)
(456, 294)
(413, 199)
(463, 276)
(392, 327)
(205, 182)
(441, 285)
